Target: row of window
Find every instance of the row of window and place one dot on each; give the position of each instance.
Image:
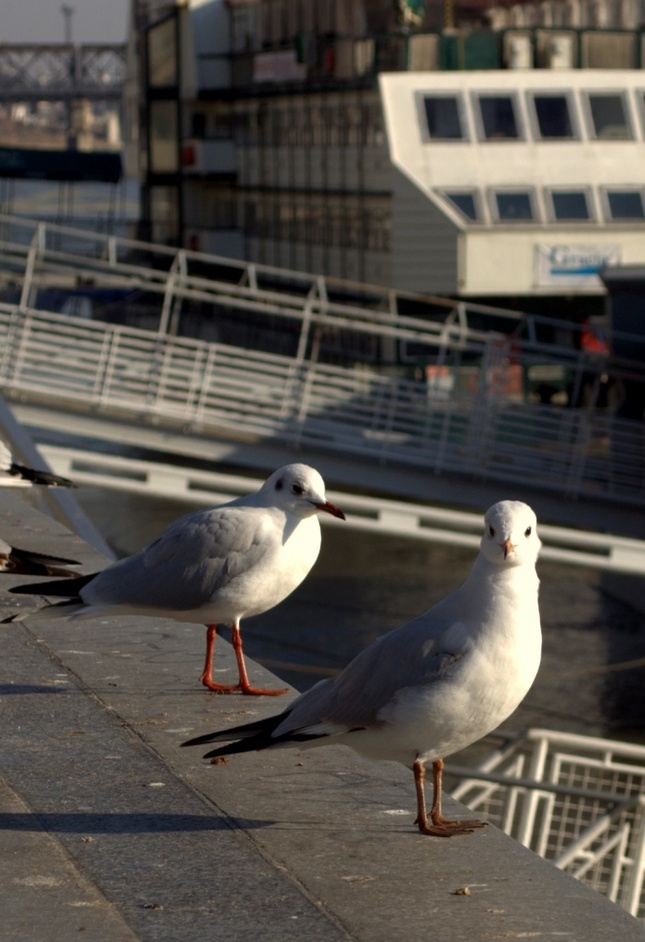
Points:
(350, 227)
(307, 123)
(274, 22)
(548, 116)
(560, 205)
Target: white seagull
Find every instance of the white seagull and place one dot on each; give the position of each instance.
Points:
(13, 474)
(435, 685)
(28, 563)
(213, 566)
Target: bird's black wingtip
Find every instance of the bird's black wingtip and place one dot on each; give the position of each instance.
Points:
(197, 741)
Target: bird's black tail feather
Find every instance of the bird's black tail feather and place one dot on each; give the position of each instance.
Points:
(25, 563)
(39, 477)
(250, 737)
(245, 738)
(70, 588)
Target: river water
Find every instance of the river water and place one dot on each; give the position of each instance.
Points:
(593, 666)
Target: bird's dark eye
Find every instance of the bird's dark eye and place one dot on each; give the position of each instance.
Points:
(528, 531)
(278, 484)
(491, 531)
(298, 489)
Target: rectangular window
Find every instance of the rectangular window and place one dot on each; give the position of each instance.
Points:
(498, 118)
(465, 202)
(162, 53)
(553, 117)
(443, 118)
(625, 204)
(163, 134)
(609, 118)
(570, 205)
(514, 206)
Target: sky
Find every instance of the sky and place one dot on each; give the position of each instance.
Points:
(41, 21)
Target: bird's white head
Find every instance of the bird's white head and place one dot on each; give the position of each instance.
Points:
(510, 534)
(300, 490)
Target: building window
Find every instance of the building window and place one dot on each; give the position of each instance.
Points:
(162, 53)
(465, 202)
(570, 205)
(609, 118)
(198, 125)
(625, 205)
(164, 215)
(514, 206)
(443, 118)
(498, 117)
(553, 117)
(163, 134)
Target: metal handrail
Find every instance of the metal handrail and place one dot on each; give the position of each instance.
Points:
(479, 427)
(479, 430)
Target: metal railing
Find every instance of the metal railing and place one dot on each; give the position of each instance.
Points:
(443, 388)
(576, 800)
(372, 513)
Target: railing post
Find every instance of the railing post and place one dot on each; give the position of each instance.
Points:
(171, 303)
(295, 400)
(535, 772)
(37, 245)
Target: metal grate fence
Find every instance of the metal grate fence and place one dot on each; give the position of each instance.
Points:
(578, 801)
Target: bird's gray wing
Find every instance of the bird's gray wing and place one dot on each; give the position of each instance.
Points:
(416, 654)
(194, 557)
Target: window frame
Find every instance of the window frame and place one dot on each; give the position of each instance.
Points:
(514, 98)
(458, 96)
(622, 95)
(608, 191)
(529, 191)
(446, 197)
(552, 191)
(574, 121)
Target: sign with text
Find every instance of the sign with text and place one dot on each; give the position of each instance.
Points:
(572, 265)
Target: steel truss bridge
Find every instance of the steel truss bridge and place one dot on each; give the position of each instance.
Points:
(61, 72)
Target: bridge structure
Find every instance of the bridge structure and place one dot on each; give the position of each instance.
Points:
(61, 72)
(392, 393)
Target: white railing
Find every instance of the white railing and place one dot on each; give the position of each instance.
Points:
(372, 514)
(481, 431)
(577, 800)
(466, 414)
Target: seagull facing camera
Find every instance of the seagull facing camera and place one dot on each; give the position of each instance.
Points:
(437, 684)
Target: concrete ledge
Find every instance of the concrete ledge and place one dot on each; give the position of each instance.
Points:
(108, 823)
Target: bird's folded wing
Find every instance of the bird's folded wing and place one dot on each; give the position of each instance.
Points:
(196, 556)
(411, 656)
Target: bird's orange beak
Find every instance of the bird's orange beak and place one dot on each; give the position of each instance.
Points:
(330, 508)
(508, 548)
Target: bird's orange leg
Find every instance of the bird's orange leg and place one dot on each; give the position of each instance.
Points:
(244, 685)
(440, 826)
(207, 674)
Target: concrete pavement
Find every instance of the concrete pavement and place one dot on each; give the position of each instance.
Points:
(110, 829)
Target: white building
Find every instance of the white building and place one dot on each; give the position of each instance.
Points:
(515, 183)
(331, 138)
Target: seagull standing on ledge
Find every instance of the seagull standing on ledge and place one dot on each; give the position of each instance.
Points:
(212, 567)
(13, 474)
(435, 685)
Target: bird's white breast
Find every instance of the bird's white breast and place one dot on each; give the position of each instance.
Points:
(485, 671)
(274, 574)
